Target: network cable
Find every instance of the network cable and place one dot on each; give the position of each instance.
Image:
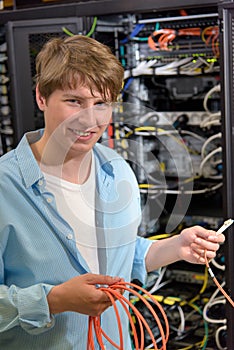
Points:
(114, 294)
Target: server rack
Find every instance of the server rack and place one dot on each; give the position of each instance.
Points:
(18, 35)
(20, 65)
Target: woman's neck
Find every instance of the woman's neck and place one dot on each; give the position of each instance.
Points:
(72, 169)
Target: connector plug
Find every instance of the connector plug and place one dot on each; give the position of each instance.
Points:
(225, 225)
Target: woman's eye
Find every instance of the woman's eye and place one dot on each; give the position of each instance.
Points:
(72, 101)
(102, 105)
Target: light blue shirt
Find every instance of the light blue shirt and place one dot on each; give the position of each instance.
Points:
(38, 249)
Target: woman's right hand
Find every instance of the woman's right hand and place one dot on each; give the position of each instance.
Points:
(81, 294)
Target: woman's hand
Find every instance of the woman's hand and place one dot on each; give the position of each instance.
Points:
(190, 245)
(194, 241)
(81, 294)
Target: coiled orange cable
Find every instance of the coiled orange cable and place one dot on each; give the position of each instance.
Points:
(142, 294)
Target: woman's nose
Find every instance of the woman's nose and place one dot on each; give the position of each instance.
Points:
(87, 116)
(84, 119)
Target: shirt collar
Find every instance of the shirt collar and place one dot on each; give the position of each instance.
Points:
(104, 159)
(28, 165)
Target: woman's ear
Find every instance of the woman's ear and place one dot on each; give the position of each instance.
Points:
(41, 101)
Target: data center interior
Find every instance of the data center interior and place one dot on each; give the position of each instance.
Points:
(175, 111)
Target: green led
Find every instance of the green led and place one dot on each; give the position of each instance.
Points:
(211, 59)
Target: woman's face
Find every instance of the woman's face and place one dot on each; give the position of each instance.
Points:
(74, 118)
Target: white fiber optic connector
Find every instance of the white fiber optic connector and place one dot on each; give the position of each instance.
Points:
(225, 225)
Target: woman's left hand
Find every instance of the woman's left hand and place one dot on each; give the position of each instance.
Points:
(195, 241)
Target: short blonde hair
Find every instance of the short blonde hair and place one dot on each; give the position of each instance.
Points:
(78, 60)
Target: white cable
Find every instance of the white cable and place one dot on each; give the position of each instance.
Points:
(210, 139)
(209, 305)
(172, 68)
(147, 116)
(212, 117)
(165, 191)
(216, 88)
(158, 281)
(218, 266)
(187, 132)
(181, 327)
(143, 68)
(176, 63)
(186, 66)
(205, 190)
(162, 284)
(216, 292)
(223, 328)
(209, 155)
(212, 123)
(209, 65)
(212, 301)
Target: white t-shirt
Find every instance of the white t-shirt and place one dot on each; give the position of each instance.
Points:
(76, 204)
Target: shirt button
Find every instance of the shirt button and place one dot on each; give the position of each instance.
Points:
(69, 236)
(40, 182)
(49, 325)
(49, 200)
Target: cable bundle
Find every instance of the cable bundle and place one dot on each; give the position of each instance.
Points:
(160, 39)
(143, 295)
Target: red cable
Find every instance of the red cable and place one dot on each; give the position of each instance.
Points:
(114, 294)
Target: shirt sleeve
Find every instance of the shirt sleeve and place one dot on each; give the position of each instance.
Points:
(25, 307)
(139, 268)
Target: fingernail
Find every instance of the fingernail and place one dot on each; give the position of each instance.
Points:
(212, 238)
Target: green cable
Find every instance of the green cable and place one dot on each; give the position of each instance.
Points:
(93, 27)
(69, 33)
(205, 340)
(66, 31)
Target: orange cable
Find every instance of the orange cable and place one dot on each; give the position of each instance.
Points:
(113, 294)
(216, 281)
(149, 306)
(139, 317)
(117, 316)
(133, 326)
(166, 36)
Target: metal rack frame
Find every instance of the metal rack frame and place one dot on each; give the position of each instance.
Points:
(95, 8)
(226, 14)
